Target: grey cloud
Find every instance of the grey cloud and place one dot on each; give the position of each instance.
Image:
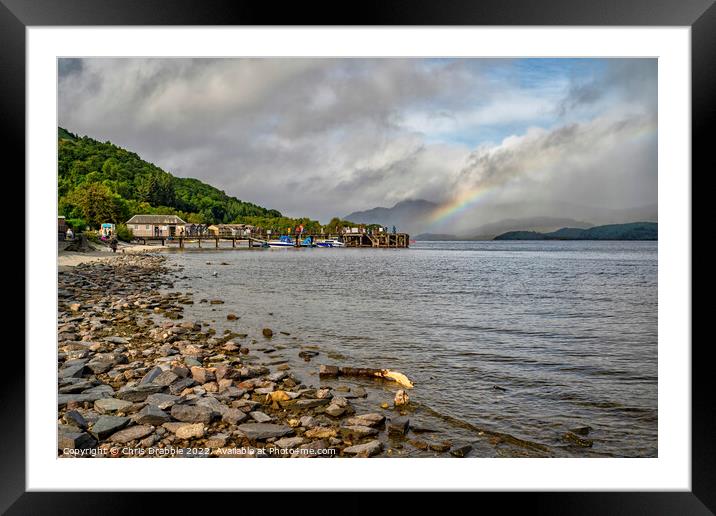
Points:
(627, 80)
(323, 137)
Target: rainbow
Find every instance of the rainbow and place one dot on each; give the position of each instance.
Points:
(465, 200)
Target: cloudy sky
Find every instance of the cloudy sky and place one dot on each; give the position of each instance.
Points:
(324, 137)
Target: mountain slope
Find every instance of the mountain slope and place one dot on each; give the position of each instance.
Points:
(407, 216)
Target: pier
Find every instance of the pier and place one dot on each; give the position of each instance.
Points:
(375, 240)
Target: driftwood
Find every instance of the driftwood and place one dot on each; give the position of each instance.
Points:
(334, 371)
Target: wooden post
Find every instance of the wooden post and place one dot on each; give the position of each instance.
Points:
(217, 242)
(233, 242)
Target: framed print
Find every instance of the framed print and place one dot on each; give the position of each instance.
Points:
(436, 248)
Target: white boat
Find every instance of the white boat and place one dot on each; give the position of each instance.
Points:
(284, 241)
(330, 242)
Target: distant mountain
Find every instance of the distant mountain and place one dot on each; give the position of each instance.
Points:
(630, 231)
(533, 224)
(485, 221)
(407, 216)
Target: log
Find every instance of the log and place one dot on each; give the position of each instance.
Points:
(333, 371)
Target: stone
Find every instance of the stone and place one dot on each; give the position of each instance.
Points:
(575, 439)
(260, 417)
(108, 405)
(73, 417)
(231, 346)
(420, 445)
(277, 376)
(461, 450)
(334, 410)
(100, 366)
(75, 441)
(203, 375)
(358, 431)
(75, 371)
(308, 421)
(401, 398)
(211, 387)
(152, 415)
(384, 405)
(281, 396)
(321, 432)
(75, 387)
(232, 317)
(66, 399)
(165, 378)
(324, 394)
(233, 416)
(290, 442)
(179, 386)
(151, 375)
(190, 431)
(217, 441)
(138, 393)
(398, 425)
(132, 433)
(307, 355)
(328, 371)
(116, 340)
(358, 392)
(107, 425)
(441, 446)
(245, 405)
(267, 332)
(372, 419)
(161, 400)
(258, 431)
(311, 403)
(193, 413)
(364, 450)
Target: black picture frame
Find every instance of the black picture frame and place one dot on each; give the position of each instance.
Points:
(700, 15)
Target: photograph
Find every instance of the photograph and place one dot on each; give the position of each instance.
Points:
(352, 257)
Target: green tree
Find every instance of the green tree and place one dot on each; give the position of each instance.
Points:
(97, 204)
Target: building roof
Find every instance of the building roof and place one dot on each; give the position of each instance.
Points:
(230, 226)
(155, 219)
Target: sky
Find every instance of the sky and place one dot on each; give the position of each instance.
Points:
(324, 137)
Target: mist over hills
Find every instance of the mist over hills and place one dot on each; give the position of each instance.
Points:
(484, 222)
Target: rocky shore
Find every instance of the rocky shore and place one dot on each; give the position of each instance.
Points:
(137, 379)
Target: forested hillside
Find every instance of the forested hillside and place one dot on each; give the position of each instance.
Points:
(101, 182)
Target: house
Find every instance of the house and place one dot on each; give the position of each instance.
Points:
(231, 230)
(61, 227)
(156, 225)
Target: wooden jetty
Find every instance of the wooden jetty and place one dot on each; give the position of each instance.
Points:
(208, 241)
(375, 240)
(379, 240)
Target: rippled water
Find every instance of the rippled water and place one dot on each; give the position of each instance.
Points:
(568, 329)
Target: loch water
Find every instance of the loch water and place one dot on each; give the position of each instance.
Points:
(510, 344)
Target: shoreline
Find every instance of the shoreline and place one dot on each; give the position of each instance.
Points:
(136, 379)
